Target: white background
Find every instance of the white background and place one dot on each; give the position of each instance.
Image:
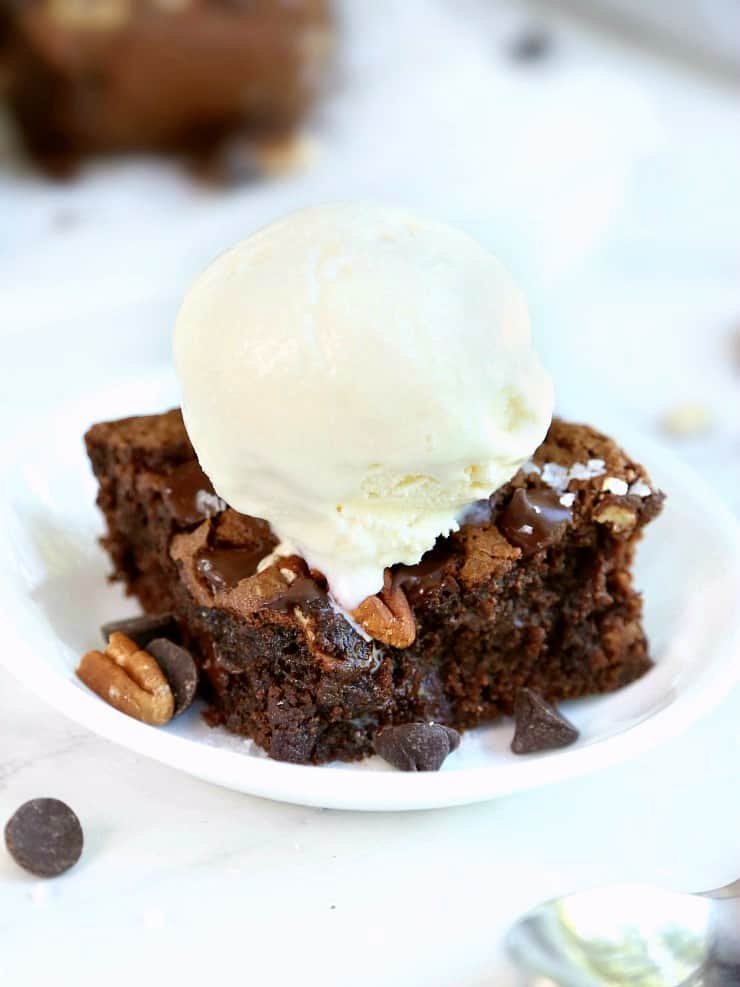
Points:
(607, 179)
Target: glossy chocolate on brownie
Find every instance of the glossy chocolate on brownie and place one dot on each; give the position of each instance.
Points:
(426, 576)
(302, 591)
(533, 518)
(189, 494)
(222, 568)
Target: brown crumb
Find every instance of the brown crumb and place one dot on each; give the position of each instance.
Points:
(686, 420)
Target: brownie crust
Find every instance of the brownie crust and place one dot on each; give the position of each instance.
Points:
(498, 606)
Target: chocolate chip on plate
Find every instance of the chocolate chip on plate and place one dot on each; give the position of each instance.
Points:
(417, 746)
(539, 725)
(179, 668)
(44, 837)
(233, 163)
(532, 45)
(143, 629)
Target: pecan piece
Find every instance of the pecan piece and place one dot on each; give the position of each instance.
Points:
(387, 617)
(128, 679)
(619, 516)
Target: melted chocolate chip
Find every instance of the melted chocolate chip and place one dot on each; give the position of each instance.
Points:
(44, 837)
(539, 725)
(223, 568)
(417, 746)
(426, 576)
(190, 496)
(301, 591)
(533, 518)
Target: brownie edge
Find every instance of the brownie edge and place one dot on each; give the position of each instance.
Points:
(497, 608)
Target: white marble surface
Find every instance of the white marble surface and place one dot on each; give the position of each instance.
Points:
(607, 180)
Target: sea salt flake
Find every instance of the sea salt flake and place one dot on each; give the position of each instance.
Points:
(530, 467)
(209, 504)
(555, 476)
(568, 499)
(641, 489)
(613, 484)
(527, 529)
(587, 471)
(558, 477)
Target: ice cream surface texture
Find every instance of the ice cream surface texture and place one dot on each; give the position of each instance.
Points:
(358, 376)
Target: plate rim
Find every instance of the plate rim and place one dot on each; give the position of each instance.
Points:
(360, 789)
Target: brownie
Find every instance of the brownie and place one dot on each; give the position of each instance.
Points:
(535, 590)
(122, 75)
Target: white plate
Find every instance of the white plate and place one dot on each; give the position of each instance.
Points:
(54, 596)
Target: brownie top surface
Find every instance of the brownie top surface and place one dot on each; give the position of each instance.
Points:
(143, 432)
(156, 442)
(579, 482)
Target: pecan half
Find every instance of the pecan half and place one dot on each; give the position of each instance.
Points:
(128, 679)
(387, 617)
(619, 516)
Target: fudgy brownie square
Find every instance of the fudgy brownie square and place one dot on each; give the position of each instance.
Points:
(535, 590)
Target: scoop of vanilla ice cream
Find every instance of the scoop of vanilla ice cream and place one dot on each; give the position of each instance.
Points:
(358, 376)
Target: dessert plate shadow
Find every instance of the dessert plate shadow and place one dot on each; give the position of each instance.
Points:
(55, 596)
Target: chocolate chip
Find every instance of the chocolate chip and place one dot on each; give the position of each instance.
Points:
(143, 629)
(44, 837)
(533, 518)
(180, 671)
(531, 46)
(417, 746)
(539, 726)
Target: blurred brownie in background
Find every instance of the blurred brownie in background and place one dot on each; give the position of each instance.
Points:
(104, 76)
